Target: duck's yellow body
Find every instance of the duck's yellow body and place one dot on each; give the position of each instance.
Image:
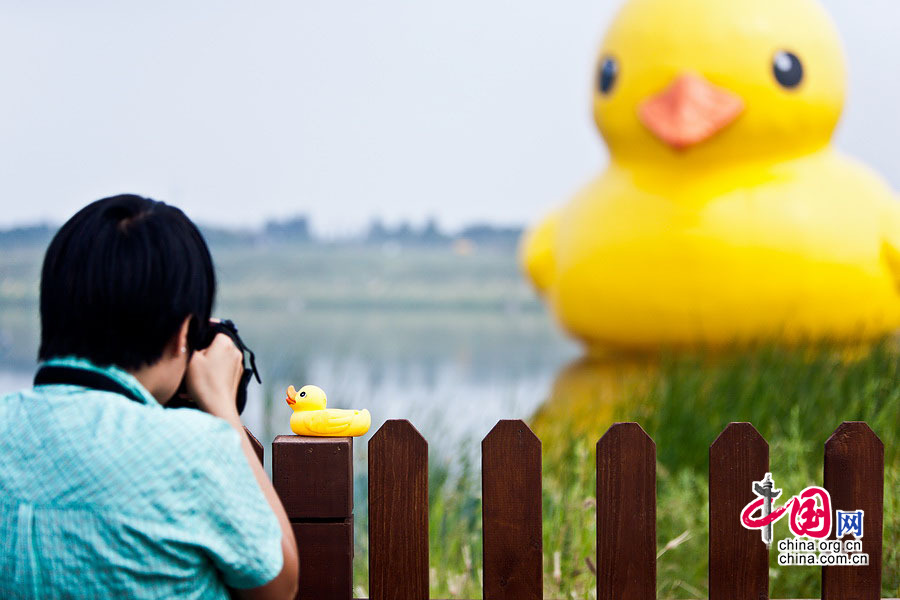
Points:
(311, 417)
(725, 216)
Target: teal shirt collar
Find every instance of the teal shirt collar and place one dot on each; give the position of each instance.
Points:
(115, 373)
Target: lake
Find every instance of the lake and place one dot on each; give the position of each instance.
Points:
(452, 342)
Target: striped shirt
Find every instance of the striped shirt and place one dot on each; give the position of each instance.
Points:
(105, 497)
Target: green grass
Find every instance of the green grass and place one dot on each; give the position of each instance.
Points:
(795, 399)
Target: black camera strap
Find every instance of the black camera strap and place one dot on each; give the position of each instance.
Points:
(53, 375)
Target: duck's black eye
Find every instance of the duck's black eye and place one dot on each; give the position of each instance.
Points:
(788, 69)
(303, 394)
(606, 78)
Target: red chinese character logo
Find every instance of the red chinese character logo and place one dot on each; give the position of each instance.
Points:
(765, 519)
(811, 513)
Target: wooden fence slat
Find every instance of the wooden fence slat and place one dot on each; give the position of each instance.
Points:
(257, 447)
(738, 558)
(511, 512)
(854, 477)
(398, 513)
(626, 514)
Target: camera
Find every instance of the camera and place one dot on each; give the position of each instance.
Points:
(182, 398)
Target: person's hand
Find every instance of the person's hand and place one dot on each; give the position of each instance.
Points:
(213, 376)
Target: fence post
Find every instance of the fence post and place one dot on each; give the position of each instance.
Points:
(511, 513)
(626, 514)
(314, 479)
(398, 513)
(854, 478)
(738, 558)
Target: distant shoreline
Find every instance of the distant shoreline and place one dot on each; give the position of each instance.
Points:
(297, 231)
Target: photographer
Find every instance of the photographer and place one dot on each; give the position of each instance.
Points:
(104, 493)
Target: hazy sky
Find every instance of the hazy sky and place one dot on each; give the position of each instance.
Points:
(240, 111)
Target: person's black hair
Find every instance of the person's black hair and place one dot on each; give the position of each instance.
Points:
(118, 280)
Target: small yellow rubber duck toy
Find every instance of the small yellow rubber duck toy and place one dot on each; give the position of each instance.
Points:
(725, 215)
(312, 418)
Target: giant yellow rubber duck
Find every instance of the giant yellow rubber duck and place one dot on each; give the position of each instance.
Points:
(725, 216)
(311, 417)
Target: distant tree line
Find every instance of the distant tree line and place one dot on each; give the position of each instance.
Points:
(30, 235)
(430, 234)
(296, 230)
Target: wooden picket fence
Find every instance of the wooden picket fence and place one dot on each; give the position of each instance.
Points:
(314, 478)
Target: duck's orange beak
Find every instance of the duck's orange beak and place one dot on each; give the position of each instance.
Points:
(291, 395)
(691, 110)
